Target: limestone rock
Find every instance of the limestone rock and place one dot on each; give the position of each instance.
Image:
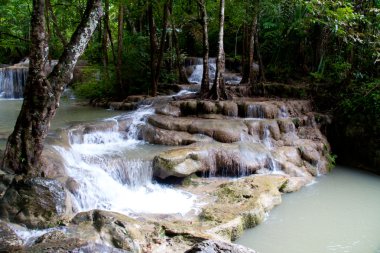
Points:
(35, 202)
(179, 162)
(160, 136)
(213, 246)
(9, 241)
(73, 245)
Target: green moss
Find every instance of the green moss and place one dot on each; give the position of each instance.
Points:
(283, 186)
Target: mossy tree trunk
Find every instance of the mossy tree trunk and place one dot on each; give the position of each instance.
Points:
(42, 92)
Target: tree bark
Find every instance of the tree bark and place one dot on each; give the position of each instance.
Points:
(262, 77)
(244, 61)
(42, 93)
(153, 50)
(218, 90)
(205, 85)
(165, 23)
(120, 49)
(252, 75)
(105, 34)
(181, 75)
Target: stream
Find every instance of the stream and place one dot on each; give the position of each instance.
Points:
(112, 169)
(339, 213)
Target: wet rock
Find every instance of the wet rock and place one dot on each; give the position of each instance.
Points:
(220, 130)
(169, 110)
(286, 125)
(35, 202)
(114, 229)
(293, 184)
(160, 136)
(188, 107)
(241, 204)
(72, 245)
(72, 185)
(214, 158)
(228, 108)
(310, 154)
(134, 98)
(9, 241)
(213, 246)
(207, 107)
(179, 162)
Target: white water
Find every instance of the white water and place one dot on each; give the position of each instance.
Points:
(12, 82)
(114, 172)
(196, 75)
(338, 214)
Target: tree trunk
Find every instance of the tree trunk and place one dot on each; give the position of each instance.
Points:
(244, 61)
(120, 49)
(262, 77)
(42, 93)
(205, 85)
(165, 22)
(252, 75)
(153, 50)
(105, 35)
(218, 90)
(181, 75)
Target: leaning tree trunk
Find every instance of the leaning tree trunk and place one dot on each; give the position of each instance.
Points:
(42, 93)
(205, 85)
(218, 90)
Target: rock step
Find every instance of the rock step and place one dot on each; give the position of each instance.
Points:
(247, 108)
(169, 130)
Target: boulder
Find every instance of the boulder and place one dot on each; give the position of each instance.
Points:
(160, 136)
(228, 108)
(225, 131)
(179, 162)
(214, 246)
(214, 158)
(9, 241)
(36, 202)
(114, 229)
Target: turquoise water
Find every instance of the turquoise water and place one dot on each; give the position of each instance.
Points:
(340, 213)
(70, 111)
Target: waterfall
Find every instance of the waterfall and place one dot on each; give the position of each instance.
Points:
(112, 177)
(255, 111)
(196, 76)
(12, 82)
(197, 71)
(266, 140)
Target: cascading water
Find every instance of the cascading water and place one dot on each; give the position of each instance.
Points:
(196, 76)
(255, 111)
(197, 71)
(12, 81)
(110, 177)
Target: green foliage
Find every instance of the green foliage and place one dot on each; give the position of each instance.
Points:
(362, 101)
(95, 83)
(331, 159)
